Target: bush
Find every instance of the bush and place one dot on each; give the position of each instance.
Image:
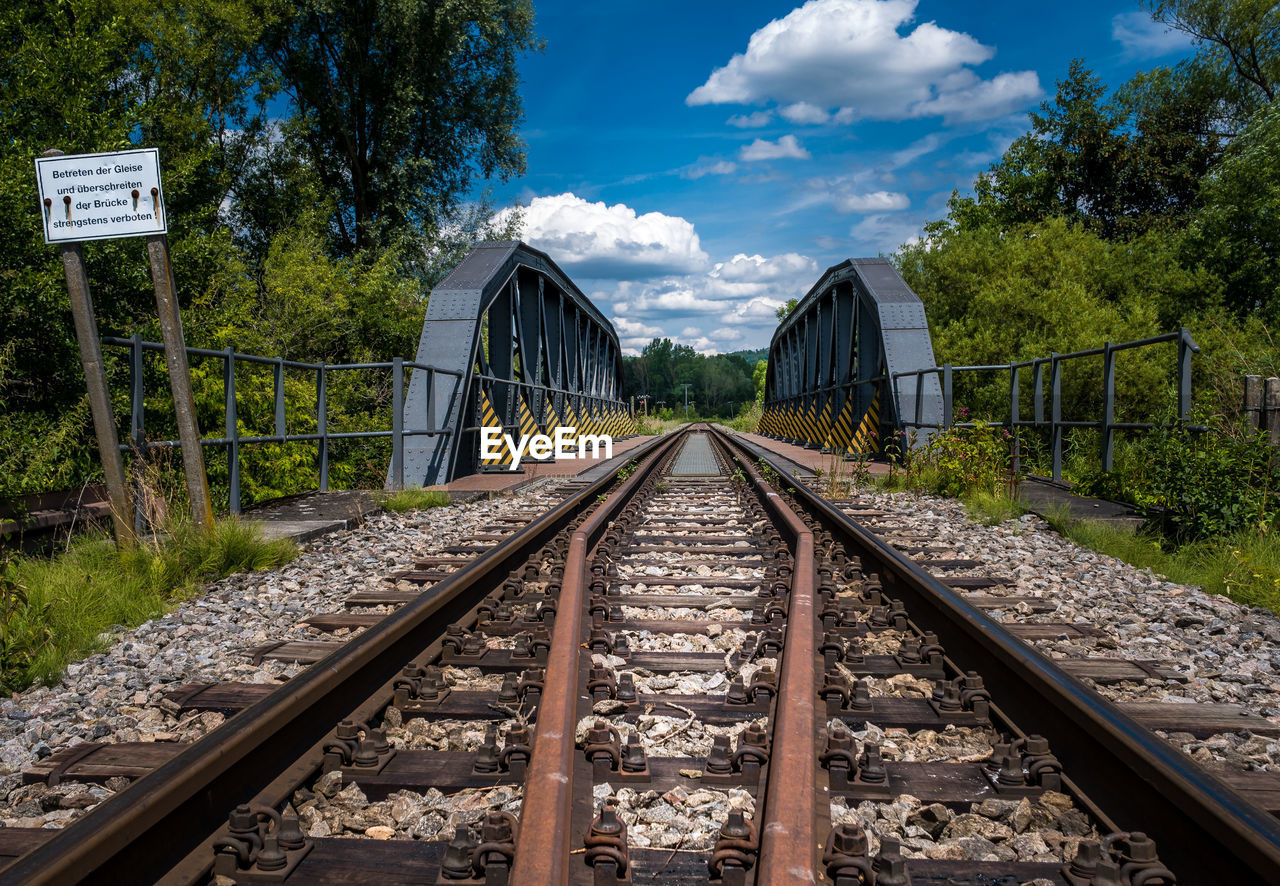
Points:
(959, 461)
(1197, 484)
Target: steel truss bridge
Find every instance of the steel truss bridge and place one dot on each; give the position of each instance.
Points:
(511, 344)
(833, 359)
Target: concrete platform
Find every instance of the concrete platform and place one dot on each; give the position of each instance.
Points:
(309, 515)
(1039, 495)
(1043, 496)
(804, 461)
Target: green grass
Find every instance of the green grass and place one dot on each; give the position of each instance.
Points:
(992, 506)
(1244, 566)
(414, 498)
(56, 610)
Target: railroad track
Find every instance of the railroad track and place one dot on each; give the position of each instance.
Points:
(681, 674)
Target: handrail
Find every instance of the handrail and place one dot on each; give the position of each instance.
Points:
(1055, 423)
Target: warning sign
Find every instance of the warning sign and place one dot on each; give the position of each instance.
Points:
(101, 196)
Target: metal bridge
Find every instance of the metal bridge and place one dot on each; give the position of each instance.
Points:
(832, 361)
(513, 345)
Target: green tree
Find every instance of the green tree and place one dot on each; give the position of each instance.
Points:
(758, 376)
(1237, 232)
(784, 311)
(1241, 37)
(399, 105)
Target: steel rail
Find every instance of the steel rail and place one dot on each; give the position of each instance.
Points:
(542, 846)
(142, 833)
(788, 841)
(1206, 832)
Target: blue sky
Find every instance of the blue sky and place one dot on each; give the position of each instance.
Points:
(693, 165)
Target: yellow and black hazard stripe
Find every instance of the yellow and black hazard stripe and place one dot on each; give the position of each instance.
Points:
(866, 440)
(528, 425)
(842, 428)
(809, 421)
(489, 419)
(824, 423)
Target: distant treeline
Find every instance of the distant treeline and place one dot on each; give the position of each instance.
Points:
(719, 385)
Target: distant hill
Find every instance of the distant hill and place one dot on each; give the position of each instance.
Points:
(751, 357)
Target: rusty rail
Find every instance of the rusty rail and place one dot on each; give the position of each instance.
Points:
(158, 827)
(542, 848)
(1207, 832)
(787, 838)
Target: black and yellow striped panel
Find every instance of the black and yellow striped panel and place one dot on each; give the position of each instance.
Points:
(842, 428)
(489, 419)
(824, 423)
(866, 440)
(528, 426)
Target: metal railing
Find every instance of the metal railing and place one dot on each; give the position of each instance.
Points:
(1056, 424)
(232, 440)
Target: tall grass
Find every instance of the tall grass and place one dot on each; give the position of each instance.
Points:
(56, 610)
(414, 498)
(1244, 566)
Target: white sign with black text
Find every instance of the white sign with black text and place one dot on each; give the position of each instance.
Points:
(101, 196)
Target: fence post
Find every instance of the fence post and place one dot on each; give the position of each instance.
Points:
(1271, 408)
(1108, 405)
(1055, 429)
(948, 406)
(1253, 413)
(397, 422)
(137, 421)
(279, 392)
(1037, 393)
(431, 399)
(322, 424)
(233, 431)
(1014, 413)
(1184, 374)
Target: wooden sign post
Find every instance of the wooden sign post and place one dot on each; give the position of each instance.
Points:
(101, 197)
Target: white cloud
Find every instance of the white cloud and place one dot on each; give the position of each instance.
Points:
(595, 240)
(744, 268)
(850, 55)
(1144, 37)
(751, 121)
(982, 99)
(715, 167)
(885, 233)
(727, 333)
(804, 113)
(877, 201)
(785, 148)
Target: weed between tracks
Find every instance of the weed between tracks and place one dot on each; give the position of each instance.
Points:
(55, 611)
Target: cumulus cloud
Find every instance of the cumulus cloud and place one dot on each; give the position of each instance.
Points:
(785, 148)
(851, 56)
(744, 268)
(751, 121)
(877, 201)
(610, 242)
(803, 112)
(1144, 37)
